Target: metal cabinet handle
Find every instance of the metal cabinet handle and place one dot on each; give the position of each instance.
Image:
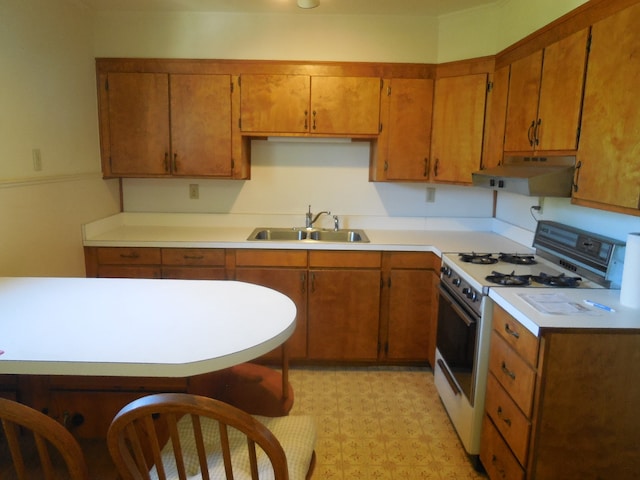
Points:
(502, 417)
(306, 119)
(536, 132)
(530, 132)
(166, 161)
(511, 332)
(132, 255)
(507, 372)
(314, 119)
(175, 162)
(303, 282)
(577, 176)
(435, 167)
(426, 167)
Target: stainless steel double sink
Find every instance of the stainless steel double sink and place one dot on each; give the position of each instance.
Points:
(300, 234)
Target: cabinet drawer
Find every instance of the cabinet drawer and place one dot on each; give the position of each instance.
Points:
(128, 256)
(128, 271)
(515, 334)
(271, 258)
(193, 256)
(194, 273)
(513, 373)
(343, 259)
(508, 419)
(495, 455)
(412, 260)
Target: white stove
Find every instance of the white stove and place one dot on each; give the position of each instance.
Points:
(564, 257)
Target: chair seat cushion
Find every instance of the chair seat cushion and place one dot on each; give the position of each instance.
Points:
(296, 434)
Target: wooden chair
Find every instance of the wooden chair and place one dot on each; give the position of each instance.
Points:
(179, 435)
(39, 446)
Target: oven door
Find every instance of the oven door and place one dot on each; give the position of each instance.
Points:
(456, 341)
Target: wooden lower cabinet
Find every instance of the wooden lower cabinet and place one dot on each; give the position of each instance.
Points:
(360, 306)
(286, 272)
(561, 405)
(344, 305)
(407, 306)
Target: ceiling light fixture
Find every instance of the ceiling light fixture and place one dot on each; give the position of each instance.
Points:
(308, 3)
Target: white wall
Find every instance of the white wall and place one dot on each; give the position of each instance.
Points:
(48, 98)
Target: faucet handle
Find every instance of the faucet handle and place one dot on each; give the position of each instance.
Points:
(336, 224)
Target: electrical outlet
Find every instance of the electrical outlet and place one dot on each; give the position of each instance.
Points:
(194, 191)
(37, 159)
(431, 195)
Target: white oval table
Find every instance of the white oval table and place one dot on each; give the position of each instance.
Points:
(137, 327)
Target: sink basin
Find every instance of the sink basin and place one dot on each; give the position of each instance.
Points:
(278, 234)
(338, 236)
(317, 235)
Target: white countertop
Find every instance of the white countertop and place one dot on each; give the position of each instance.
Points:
(513, 300)
(134, 327)
(228, 231)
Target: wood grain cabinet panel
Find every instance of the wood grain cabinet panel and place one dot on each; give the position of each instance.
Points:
(545, 97)
(457, 129)
(402, 150)
(608, 176)
(302, 104)
(286, 272)
(193, 263)
(408, 283)
(161, 124)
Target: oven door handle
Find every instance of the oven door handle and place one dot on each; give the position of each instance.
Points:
(449, 377)
(466, 318)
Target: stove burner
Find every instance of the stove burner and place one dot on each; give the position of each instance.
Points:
(557, 280)
(517, 259)
(510, 279)
(477, 258)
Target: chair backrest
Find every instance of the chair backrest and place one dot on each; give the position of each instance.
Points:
(177, 435)
(39, 446)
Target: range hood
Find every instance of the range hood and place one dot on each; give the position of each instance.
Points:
(530, 176)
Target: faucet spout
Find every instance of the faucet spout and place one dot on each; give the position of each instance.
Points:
(311, 219)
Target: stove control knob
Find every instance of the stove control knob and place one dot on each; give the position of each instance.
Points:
(446, 271)
(456, 281)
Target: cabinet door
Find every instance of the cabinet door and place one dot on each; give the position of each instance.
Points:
(458, 126)
(293, 283)
(201, 125)
(138, 118)
(345, 105)
(343, 314)
(496, 118)
(545, 97)
(409, 314)
(561, 93)
(408, 129)
(275, 103)
(609, 151)
(522, 106)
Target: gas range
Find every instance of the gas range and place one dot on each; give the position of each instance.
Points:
(561, 256)
(564, 257)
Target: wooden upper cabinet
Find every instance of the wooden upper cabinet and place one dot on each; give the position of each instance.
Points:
(403, 146)
(201, 125)
(545, 97)
(608, 176)
(345, 105)
(496, 117)
(138, 123)
(458, 127)
(301, 104)
(275, 103)
(157, 124)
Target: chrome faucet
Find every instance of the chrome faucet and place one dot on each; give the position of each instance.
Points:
(336, 223)
(310, 219)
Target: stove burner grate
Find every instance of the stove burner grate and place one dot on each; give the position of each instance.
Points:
(557, 280)
(510, 279)
(517, 259)
(477, 258)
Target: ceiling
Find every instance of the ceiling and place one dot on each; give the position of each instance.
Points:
(327, 7)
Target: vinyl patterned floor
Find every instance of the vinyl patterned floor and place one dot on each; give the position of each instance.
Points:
(379, 423)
